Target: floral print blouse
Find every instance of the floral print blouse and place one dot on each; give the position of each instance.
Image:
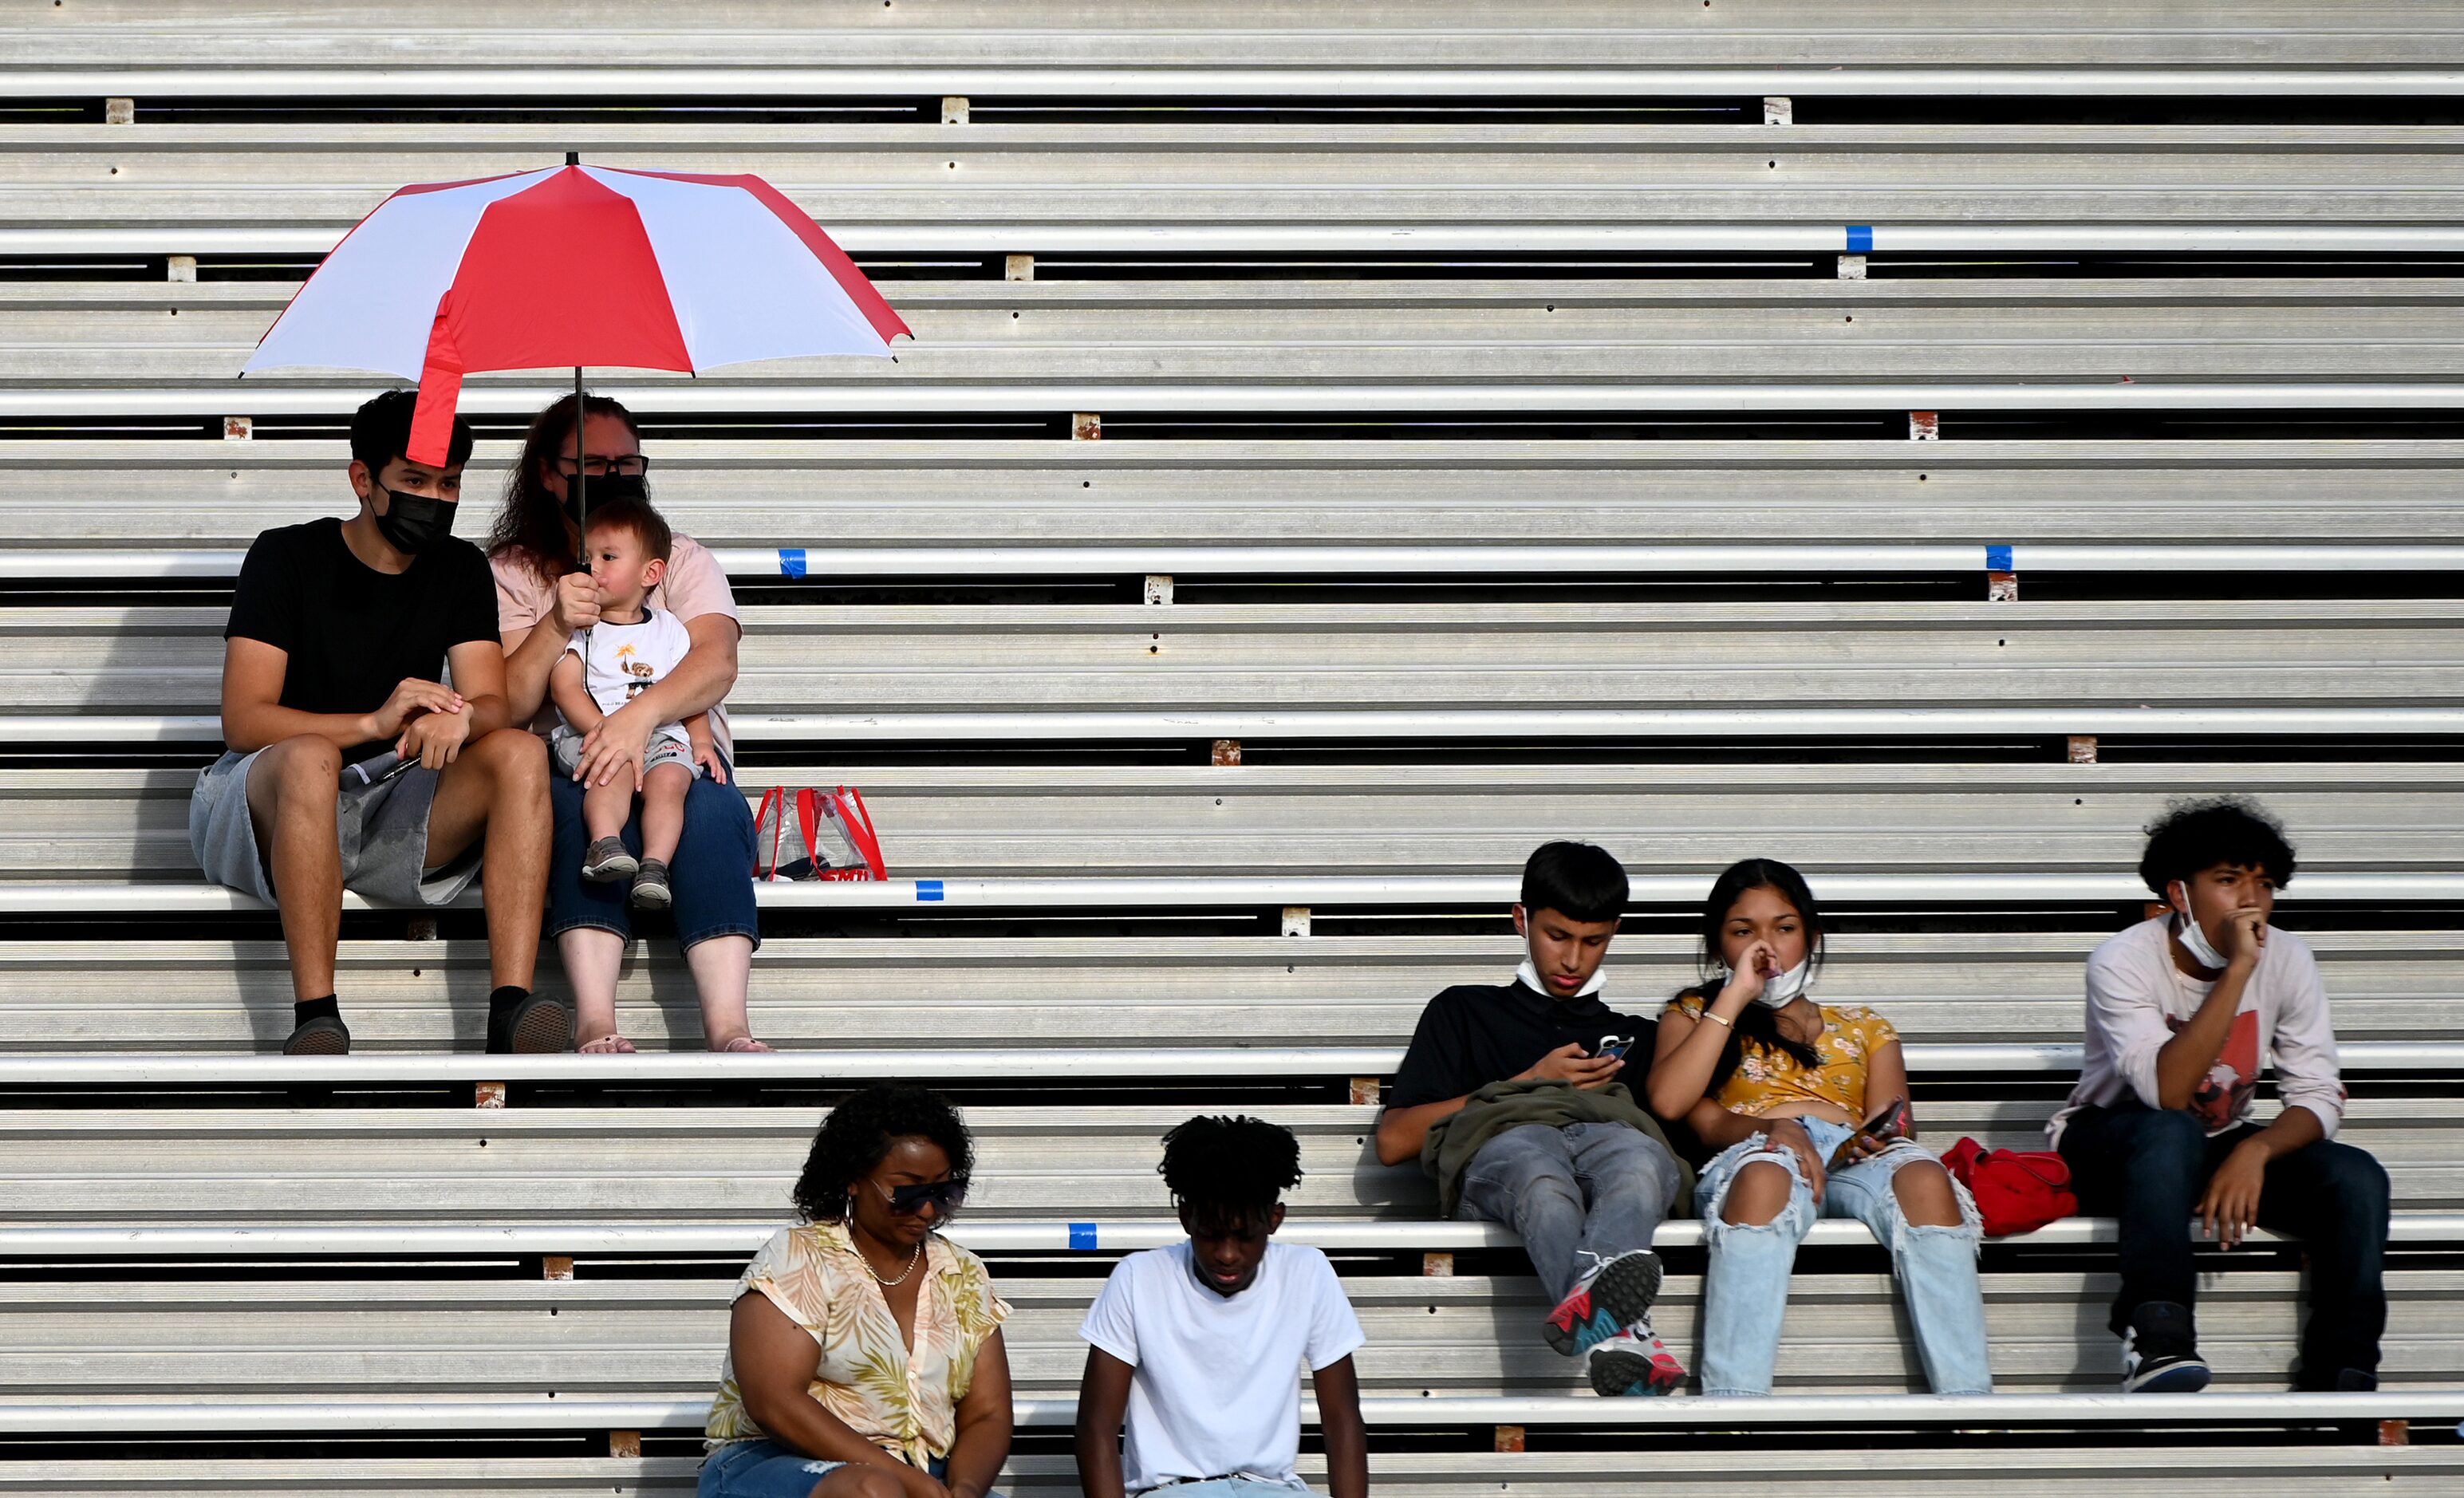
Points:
(1764, 1079)
(905, 1405)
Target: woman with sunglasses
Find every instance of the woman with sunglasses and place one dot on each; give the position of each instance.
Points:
(541, 602)
(865, 1356)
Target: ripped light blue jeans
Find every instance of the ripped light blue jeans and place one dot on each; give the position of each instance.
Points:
(1745, 1288)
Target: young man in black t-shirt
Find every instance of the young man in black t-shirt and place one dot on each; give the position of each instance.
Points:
(1587, 1181)
(351, 763)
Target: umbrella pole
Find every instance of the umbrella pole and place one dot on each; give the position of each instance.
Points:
(580, 479)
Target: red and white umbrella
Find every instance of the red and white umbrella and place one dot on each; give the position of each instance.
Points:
(570, 266)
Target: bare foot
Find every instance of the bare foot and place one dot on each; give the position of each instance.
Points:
(611, 1044)
(744, 1046)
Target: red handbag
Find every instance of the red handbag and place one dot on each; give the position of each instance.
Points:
(2016, 1191)
(834, 830)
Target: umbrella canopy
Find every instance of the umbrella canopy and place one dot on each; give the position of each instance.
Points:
(570, 266)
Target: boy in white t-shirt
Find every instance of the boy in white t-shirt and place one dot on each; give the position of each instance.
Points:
(2184, 1011)
(1199, 1346)
(633, 645)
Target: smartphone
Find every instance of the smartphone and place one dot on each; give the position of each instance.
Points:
(1891, 1123)
(1613, 1048)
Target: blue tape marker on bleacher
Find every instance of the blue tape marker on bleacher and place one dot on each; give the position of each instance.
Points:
(1082, 1235)
(928, 888)
(791, 562)
(1997, 559)
(1860, 238)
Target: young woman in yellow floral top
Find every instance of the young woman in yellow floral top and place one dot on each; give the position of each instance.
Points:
(865, 1358)
(1779, 1085)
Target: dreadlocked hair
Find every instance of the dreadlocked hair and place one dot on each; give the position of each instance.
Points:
(1227, 1168)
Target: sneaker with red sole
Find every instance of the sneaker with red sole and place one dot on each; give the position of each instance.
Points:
(1635, 1362)
(1605, 1302)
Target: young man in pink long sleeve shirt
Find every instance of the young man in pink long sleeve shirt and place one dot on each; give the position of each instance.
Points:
(2182, 1012)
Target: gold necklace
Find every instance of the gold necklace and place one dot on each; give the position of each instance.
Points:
(913, 1260)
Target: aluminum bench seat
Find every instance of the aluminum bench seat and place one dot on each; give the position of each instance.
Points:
(976, 999)
(232, 1167)
(74, 348)
(971, 672)
(1111, 186)
(1671, 821)
(123, 1340)
(756, 495)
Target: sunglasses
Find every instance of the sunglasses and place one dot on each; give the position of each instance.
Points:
(946, 1196)
(633, 465)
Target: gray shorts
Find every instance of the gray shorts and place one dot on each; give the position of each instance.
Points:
(565, 750)
(381, 829)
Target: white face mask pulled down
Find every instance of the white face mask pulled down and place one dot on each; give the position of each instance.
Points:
(1782, 990)
(1528, 976)
(1787, 987)
(2195, 941)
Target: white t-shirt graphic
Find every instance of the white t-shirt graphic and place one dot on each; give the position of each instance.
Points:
(1216, 1392)
(620, 661)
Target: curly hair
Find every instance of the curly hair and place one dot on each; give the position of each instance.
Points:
(858, 1133)
(2192, 835)
(1229, 1166)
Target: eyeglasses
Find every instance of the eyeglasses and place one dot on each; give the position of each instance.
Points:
(632, 465)
(946, 1196)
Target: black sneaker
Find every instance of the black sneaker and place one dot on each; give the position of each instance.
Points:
(2159, 1352)
(538, 1026)
(650, 891)
(2346, 1381)
(322, 1035)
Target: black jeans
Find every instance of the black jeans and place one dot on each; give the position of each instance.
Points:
(2148, 1167)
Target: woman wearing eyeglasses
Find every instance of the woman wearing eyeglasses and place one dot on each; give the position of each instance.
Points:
(865, 1358)
(541, 601)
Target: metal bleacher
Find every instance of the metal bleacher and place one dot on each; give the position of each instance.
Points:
(1342, 446)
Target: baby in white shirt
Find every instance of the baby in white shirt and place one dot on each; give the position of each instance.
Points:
(605, 666)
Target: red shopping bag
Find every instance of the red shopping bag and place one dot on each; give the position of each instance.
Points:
(807, 833)
(2016, 1191)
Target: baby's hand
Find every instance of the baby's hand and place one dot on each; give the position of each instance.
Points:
(707, 755)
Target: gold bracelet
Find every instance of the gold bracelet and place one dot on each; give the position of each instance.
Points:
(1708, 1015)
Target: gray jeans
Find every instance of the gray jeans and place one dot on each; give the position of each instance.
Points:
(1579, 1195)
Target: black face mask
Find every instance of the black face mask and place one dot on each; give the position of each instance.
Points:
(412, 523)
(603, 489)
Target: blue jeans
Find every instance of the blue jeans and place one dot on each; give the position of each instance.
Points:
(1745, 1288)
(2148, 1167)
(763, 1468)
(1579, 1195)
(711, 873)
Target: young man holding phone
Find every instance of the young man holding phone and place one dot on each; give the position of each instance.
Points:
(1510, 1097)
(2180, 1012)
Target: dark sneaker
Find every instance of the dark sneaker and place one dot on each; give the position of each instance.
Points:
(605, 862)
(1604, 1302)
(1634, 1361)
(2159, 1352)
(538, 1026)
(650, 891)
(321, 1036)
(2348, 1381)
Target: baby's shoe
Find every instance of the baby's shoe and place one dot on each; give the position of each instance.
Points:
(650, 891)
(605, 862)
